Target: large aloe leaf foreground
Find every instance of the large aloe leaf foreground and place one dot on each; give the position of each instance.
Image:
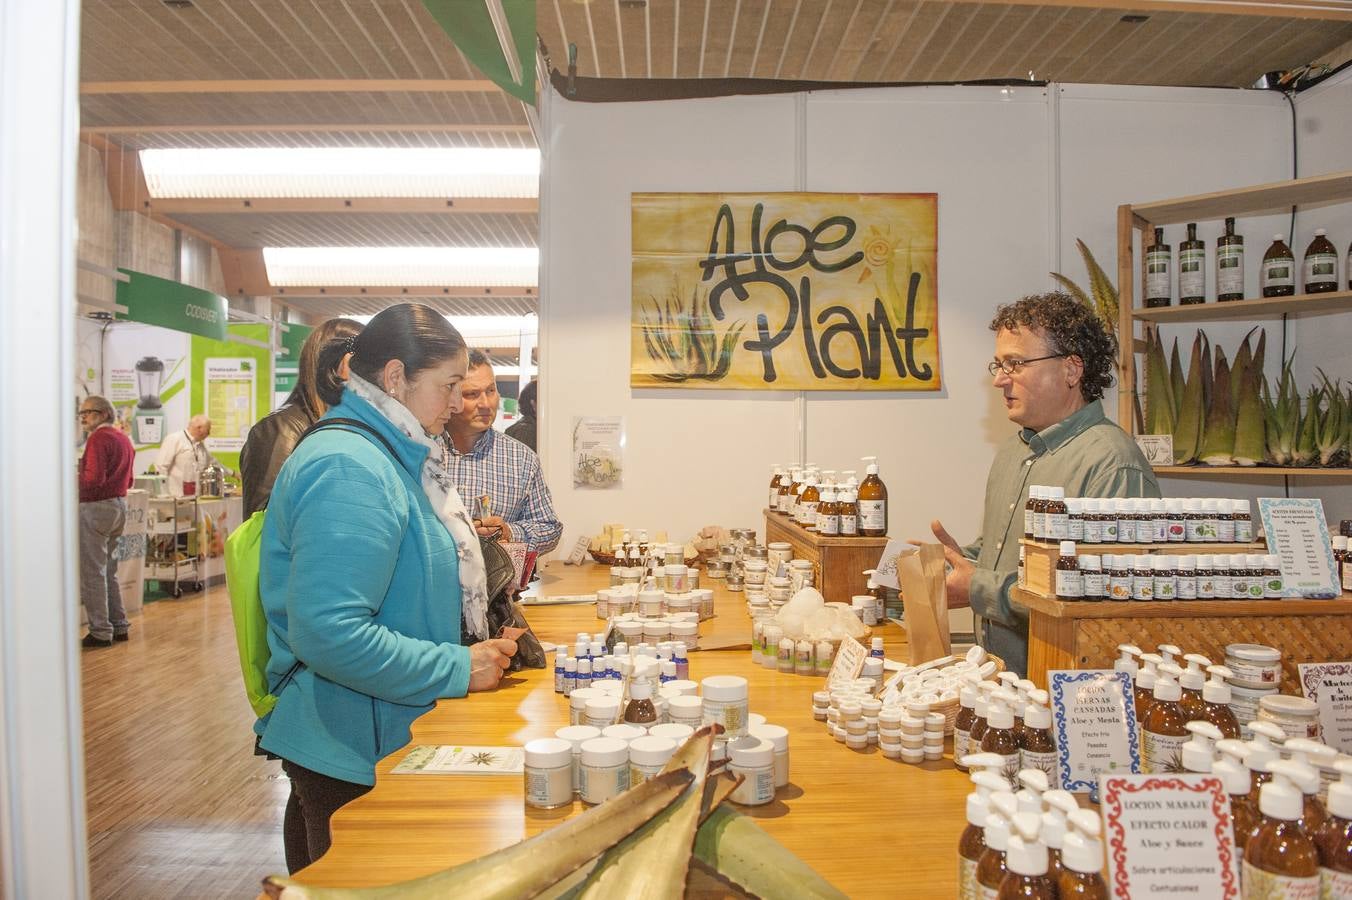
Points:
(1102, 294)
(683, 341)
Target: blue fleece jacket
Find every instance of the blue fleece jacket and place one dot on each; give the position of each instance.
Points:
(360, 583)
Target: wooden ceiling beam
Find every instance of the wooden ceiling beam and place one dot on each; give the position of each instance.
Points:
(1293, 9)
(244, 272)
(310, 128)
(412, 291)
(340, 205)
(294, 86)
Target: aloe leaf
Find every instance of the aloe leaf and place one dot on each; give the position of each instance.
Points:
(744, 854)
(1103, 288)
(1176, 379)
(1188, 428)
(1250, 424)
(1159, 401)
(1074, 290)
(1332, 434)
(1218, 435)
(1307, 443)
(1239, 367)
(1207, 369)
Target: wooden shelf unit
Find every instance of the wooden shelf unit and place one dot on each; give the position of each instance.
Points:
(840, 561)
(1244, 201)
(1254, 471)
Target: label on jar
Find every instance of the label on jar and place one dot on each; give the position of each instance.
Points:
(1119, 587)
(1157, 274)
(968, 886)
(599, 783)
(1335, 884)
(1347, 576)
(774, 498)
(757, 787)
(1225, 531)
(1278, 273)
(1058, 526)
(849, 524)
(1109, 533)
(1028, 521)
(1069, 583)
(1230, 269)
(1206, 585)
(1269, 886)
(1199, 531)
(1040, 526)
(1093, 531)
(1095, 585)
(1253, 672)
(1043, 762)
(1239, 587)
(1164, 587)
(1274, 586)
(1192, 272)
(807, 512)
(962, 742)
(1159, 532)
(1143, 587)
(1187, 587)
(1075, 530)
(1175, 530)
(1256, 588)
(1162, 753)
(828, 524)
(1244, 531)
(1126, 531)
(873, 514)
(1321, 268)
(1221, 586)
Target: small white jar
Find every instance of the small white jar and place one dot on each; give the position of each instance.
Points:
(682, 687)
(650, 603)
(1244, 702)
(655, 631)
(680, 603)
(686, 710)
(724, 702)
(1254, 665)
(777, 553)
(603, 604)
(706, 603)
(576, 736)
(755, 762)
(577, 704)
(548, 768)
(676, 579)
(672, 731)
(602, 711)
(777, 736)
(604, 772)
(687, 633)
(631, 631)
(757, 570)
(624, 731)
(1296, 716)
(647, 756)
(691, 578)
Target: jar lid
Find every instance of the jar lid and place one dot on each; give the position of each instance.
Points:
(603, 706)
(776, 736)
(779, 545)
(686, 703)
(1287, 705)
(624, 731)
(579, 697)
(672, 731)
(756, 564)
(800, 564)
(1253, 652)
(651, 750)
(752, 753)
(604, 751)
(575, 735)
(685, 629)
(548, 753)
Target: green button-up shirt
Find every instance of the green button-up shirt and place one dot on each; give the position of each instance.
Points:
(1083, 453)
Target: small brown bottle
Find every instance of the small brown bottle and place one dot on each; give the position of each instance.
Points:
(872, 502)
(1037, 747)
(640, 710)
(979, 721)
(1027, 864)
(828, 514)
(962, 725)
(1069, 581)
(808, 498)
(1264, 750)
(1158, 285)
(1279, 270)
(1082, 859)
(1030, 510)
(972, 844)
(1000, 737)
(775, 483)
(849, 513)
(1146, 679)
(1320, 267)
(1334, 840)
(1192, 269)
(1303, 752)
(1230, 264)
(1243, 812)
(1163, 732)
(786, 492)
(1280, 859)
(1057, 515)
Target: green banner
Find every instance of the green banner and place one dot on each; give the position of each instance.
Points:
(469, 25)
(293, 339)
(284, 380)
(171, 304)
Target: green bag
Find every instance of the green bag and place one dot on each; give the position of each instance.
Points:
(242, 550)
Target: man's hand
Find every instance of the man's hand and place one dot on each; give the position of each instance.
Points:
(489, 524)
(487, 661)
(958, 582)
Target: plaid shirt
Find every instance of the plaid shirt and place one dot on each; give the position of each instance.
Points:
(509, 473)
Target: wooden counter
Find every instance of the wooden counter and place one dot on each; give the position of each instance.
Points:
(840, 561)
(872, 826)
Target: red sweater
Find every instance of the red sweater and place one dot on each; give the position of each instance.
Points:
(105, 468)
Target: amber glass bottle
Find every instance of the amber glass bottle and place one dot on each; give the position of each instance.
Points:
(1320, 269)
(640, 709)
(1000, 737)
(962, 726)
(1334, 840)
(1280, 859)
(1243, 812)
(1164, 732)
(990, 871)
(872, 502)
(775, 482)
(1279, 269)
(808, 499)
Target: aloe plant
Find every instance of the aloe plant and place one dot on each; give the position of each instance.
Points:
(1159, 400)
(1177, 381)
(683, 342)
(1218, 436)
(1307, 440)
(1331, 433)
(1102, 294)
(1282, 414)
(1188, 427)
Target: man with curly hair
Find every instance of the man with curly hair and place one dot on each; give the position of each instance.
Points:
(1053, 360)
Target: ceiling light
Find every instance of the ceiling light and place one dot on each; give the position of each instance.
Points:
(341, 172)
(403, 266)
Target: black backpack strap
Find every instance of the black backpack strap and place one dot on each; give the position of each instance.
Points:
(348, 425)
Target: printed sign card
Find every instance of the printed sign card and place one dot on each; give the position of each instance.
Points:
(1094, 718)
(431, 759)
(1330, 686)
(1297, 533)
(849, 662)
(1169, 835)
(1158, 449)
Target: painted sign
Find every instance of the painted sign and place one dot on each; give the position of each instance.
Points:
(170, 304)
(790, 291)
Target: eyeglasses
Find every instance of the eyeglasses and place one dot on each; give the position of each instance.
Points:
(1014, 366)
(86, 412)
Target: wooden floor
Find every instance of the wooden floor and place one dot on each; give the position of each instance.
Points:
(178, 805)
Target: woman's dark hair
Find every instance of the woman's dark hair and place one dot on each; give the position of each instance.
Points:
(416, 335)
(1071, 328)
(312, 381)
(527, 400)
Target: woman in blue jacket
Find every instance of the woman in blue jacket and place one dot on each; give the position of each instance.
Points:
(370, 573)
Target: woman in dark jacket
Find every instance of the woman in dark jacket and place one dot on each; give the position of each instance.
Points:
(271, 440)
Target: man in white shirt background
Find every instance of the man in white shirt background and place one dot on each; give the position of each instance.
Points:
(183, 454)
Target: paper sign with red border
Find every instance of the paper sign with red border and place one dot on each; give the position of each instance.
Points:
(1168, 833)
(849, 662)
(1329, 685)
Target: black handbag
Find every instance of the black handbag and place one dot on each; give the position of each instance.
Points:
(504, 611)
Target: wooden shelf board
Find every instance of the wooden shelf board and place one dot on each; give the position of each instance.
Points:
(1260, 198)
(1245, 310)
(1178, 547)
(1179, 609)
(1255, 471)
(819, 540)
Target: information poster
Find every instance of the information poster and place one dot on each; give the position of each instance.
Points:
(598, 452)
(1297, 533)
(1169, 836)
(432, 759)
(1094, 718)
(1329, 685)
(230, 391)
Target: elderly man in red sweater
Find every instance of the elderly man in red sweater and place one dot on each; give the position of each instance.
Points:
(105, 476)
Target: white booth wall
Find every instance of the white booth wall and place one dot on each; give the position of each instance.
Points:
(1020, 175)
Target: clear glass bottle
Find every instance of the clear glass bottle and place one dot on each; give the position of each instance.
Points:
(1320, 269)
(1192, 269)
(1279, 270)
(1230, 264)
(1158, 283)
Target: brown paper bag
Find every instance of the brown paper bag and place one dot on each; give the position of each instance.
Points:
(923, 592)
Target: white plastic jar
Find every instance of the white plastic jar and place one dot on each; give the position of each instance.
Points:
(650, 603)
(777, 553)
(705, 602)
(757, 570)
(548, 768)
(1297, 716)
(602, 711)
(682, 686)
(604, 771)
(1254, 665)
(577, 704)
(754, 760)
(576, 736)
(631, 631)
(655, 631)
(672, 731)
(1244, 701)
(676, 579)
(686, 710)
(647, 756)
(624, 731)
(680, 603)
(691, 578)
(687, 633)
(777, 736)
(724, 702)
(603, 604)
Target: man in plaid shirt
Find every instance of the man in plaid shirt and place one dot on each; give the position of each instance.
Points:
(498, 477)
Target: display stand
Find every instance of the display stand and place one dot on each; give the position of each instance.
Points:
(839, 562)
(168, 557)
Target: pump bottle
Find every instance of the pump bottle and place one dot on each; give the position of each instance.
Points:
(1192, 680)
(1199, 753)
(1280, 859)
(1060, 804)
(1164, 730)
(962, 726)
(872, 501)
(1027, 877)
(1302, 752)
(1235, 776)
(1334, 840)
(1032, 785)
(1145, 686)
(1037, 747)
(1263, 752)
(1000, 737)
(990, 871)
(1082, 859)
(1216, 702)
(972, 844)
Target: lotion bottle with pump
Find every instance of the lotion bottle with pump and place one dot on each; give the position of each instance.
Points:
(1199, 753)
(1145, 686)
(1334, 840)
(1192, 680)
(962, 726)
(1128, 660)
(1235, 776)
(1082, 859)
(1303, 751)
(1264, 750)
(1037, 746)
(1033, 784)
(1000, 737)
(1164, 732)
(1170, 653)
(1280, 860)
(990, 871)
(972, 844)
(1216, 702)
(981, 712)
(1059, 804)
(1027, 877)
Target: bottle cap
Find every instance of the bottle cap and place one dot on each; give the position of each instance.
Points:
(1304, 751)
(967, 696)
(1339, 541)
(872, 467)
(1319, 232)
(570, 665)
(1036, 714)
(1270, 561)
(1210, 505)
(1339, 802)
(751, 754)
(575, 735)
(1126, 660)
(1187, 562)
(724, 688)
(1090, 561)
(640, 690)
(1234, 776)
(624, 731)
(1167, 690)
(548, 753)
(1224, 507)
(1082, 851)
(1000, 714)
(1149, 673)
(1194, 677)
(1205, 561)
(1278, 237)
(580, 697)
(1170, 652)
(1193, 505)
(1173, 505)
(1003, 806)
(1074, 505)
(989, 763)
(876, 644)
(1142, 564)
(1217, 689)
(604, 751)
(1068, 548)
(1034, 782)
(1053, 831)
(1161, 563)
(651, 750)
(1199, 753)
(1091, 505)
(1280, 798)
(1026, 854)
(1262, 751)
(1056, 493)
(673, 731)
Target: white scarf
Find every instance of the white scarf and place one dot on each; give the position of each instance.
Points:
(445, 500)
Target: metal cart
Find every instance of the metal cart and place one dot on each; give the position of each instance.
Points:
(171, 533)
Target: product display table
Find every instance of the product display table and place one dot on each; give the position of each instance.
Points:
(874, 827)
(840, 561)
(1082, 635)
